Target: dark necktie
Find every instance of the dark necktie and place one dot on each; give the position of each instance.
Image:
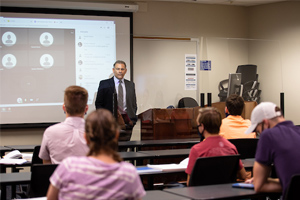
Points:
(120, 96)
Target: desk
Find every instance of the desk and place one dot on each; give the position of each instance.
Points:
(155, 143)
(138, 156)
(221, 191)
(125, 144)
(248, 163)
(22, 148)
(24, 177)
(13, 167)
(170, 153)
(158, 194)
(135, 156)
(13, 179)
(4, 149)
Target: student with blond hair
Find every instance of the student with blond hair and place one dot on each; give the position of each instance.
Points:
(67, 138)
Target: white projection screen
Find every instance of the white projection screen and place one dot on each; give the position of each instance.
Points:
(43, 51)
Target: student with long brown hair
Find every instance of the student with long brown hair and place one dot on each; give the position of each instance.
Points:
(101, 174)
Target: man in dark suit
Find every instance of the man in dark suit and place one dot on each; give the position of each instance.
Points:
(117, 84)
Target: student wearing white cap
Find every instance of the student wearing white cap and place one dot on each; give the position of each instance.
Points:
(279, 144)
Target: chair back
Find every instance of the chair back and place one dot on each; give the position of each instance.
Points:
(249, 72)
(245, 146)
(187, 102)
(215, 170)
(35, 156)
(40, 175)
(292, 192)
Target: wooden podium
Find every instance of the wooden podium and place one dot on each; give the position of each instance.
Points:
(178, 123)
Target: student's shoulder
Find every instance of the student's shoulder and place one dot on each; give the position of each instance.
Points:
(74, 161)
(54, 127)
(127, 166)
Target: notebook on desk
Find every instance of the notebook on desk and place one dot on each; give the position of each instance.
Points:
(243, 185)
(146, 170)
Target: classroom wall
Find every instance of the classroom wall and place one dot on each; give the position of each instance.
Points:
(223, 32)
(169, 20)
(279, 68)
(183, 20)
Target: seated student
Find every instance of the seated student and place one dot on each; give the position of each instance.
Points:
(101, 174)
(209, 122)
(67, 138)
(234, 126)
(278, 144)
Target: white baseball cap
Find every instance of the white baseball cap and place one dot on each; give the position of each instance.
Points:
(264, 110)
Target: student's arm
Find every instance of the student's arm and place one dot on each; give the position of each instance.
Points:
(262, 182)
(52, 193)
(46, 161)
(242, 174)
(188, 180)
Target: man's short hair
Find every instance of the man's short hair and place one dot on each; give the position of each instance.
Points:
(235, 104)
(75, 99)
(120, 62)
(211, 118)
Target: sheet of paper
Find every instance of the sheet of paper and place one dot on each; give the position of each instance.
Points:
(9, 161)
(168, 167)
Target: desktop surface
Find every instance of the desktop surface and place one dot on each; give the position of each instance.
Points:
(220, 191)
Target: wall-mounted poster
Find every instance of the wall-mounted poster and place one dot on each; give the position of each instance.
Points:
(190, 72)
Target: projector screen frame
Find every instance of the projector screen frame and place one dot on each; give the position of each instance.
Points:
(15, 9)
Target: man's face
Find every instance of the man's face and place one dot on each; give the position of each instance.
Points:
(261, 127)
(119, 71)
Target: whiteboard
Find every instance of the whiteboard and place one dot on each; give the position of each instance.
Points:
(159, 72)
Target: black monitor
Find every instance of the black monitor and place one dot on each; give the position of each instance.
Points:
(234, 84)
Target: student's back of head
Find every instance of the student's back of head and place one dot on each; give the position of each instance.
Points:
(75, 100)
(211, 118)
(102, 133)
(235, 104)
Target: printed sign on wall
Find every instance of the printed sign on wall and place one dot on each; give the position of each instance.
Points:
(190, 72)
(205, 65)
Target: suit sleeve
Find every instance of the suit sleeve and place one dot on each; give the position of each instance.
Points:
(99, 103)
(132, 105)
(134, 99)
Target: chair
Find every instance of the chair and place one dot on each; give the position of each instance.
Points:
(187, 102)
(249, 82)
(35, 160)
(215, 170)
(40, 174)
(245, 146)
(223, 90)
(292, 192)
(35, 156)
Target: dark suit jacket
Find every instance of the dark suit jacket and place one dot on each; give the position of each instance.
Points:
(105, 93)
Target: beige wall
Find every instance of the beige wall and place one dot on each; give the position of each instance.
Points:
(167, 19)
(202, 22)
(280, 66)
(276, 48)
(190, 20)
